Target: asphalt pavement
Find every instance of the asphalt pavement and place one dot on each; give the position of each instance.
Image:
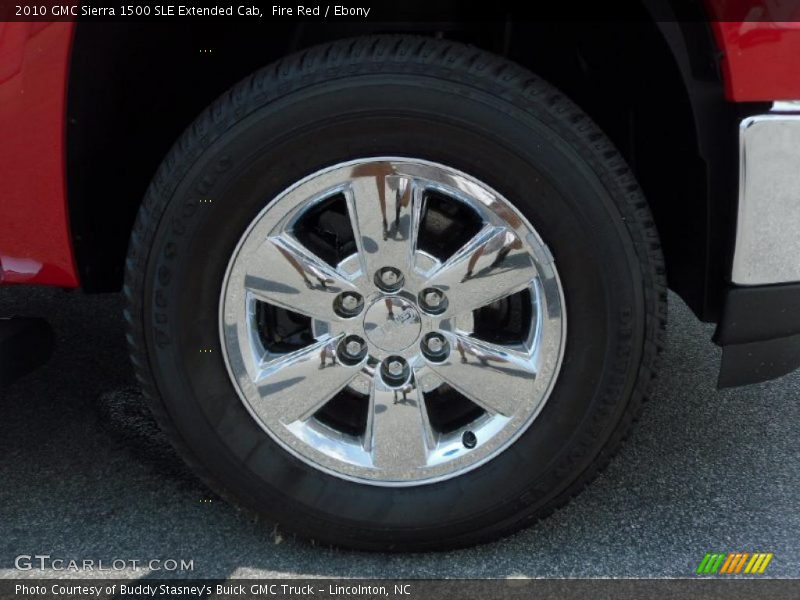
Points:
(86, 475)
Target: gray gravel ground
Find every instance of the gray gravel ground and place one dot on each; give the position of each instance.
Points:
(84, 473)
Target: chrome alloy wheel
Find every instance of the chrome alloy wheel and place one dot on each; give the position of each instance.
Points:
(392, 321)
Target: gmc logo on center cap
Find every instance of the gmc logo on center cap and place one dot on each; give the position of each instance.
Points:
(395, 321)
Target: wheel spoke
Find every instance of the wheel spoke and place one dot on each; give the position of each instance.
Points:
(398, 435)
(492, 265)
(495, 378)
(297, 385)
(384, 212)
(284, 273)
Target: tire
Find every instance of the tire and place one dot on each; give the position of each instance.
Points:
(435, 101)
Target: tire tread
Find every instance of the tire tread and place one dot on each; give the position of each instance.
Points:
(478, 68)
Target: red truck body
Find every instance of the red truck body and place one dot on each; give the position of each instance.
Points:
(35, 243)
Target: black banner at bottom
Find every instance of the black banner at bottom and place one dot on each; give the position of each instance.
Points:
(410, 589)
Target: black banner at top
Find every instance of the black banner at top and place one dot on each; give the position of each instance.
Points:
(406, 11)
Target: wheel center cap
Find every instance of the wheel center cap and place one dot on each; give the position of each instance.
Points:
(392, 323)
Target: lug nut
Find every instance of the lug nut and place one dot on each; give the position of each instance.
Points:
(433, 300)
(435, 344)
(348, 304)
(389, 279)
(352, 349)
(435, 347)
(394, 370)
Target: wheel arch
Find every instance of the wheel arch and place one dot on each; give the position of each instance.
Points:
(121, 125)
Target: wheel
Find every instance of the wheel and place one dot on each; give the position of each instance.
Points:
(395, 293)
